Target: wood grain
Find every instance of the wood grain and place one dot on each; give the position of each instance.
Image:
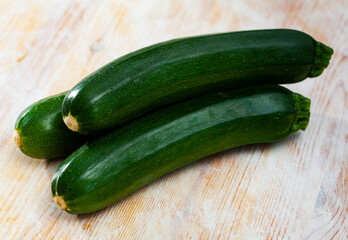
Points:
(294, 189)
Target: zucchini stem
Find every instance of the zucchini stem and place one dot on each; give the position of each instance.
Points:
(60, 202)
(302, 112)
(322, 58)
(71, 123)
(17, 138)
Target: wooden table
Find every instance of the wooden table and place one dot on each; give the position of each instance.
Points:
(294, 189)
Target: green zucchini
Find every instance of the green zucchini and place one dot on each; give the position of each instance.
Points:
(172, 71)
(109, 168)
(41, 133)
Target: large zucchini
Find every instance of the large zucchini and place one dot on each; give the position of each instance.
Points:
(41, 133)
(118, 163)
(167, 72)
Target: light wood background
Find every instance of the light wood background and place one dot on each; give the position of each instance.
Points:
(294, 189)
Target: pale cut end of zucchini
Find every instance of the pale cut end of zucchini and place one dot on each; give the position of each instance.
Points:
(17, 138)
(322, 58)
(60, 202)
(71, 123)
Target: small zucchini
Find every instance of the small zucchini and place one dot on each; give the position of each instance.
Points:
(41, 133)
(111, 167)
(179, 69)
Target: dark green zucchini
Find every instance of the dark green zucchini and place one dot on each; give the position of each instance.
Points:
(120, 162)
(41, 133)
(171, 71)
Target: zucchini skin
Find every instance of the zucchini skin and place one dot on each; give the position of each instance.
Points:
(41, 133)
(179, 69)
(109, 168)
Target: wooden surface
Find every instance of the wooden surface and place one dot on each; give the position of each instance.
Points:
(294, 189)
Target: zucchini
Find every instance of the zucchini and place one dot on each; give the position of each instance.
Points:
(41, 133)
(175, 70)
(109, 168)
